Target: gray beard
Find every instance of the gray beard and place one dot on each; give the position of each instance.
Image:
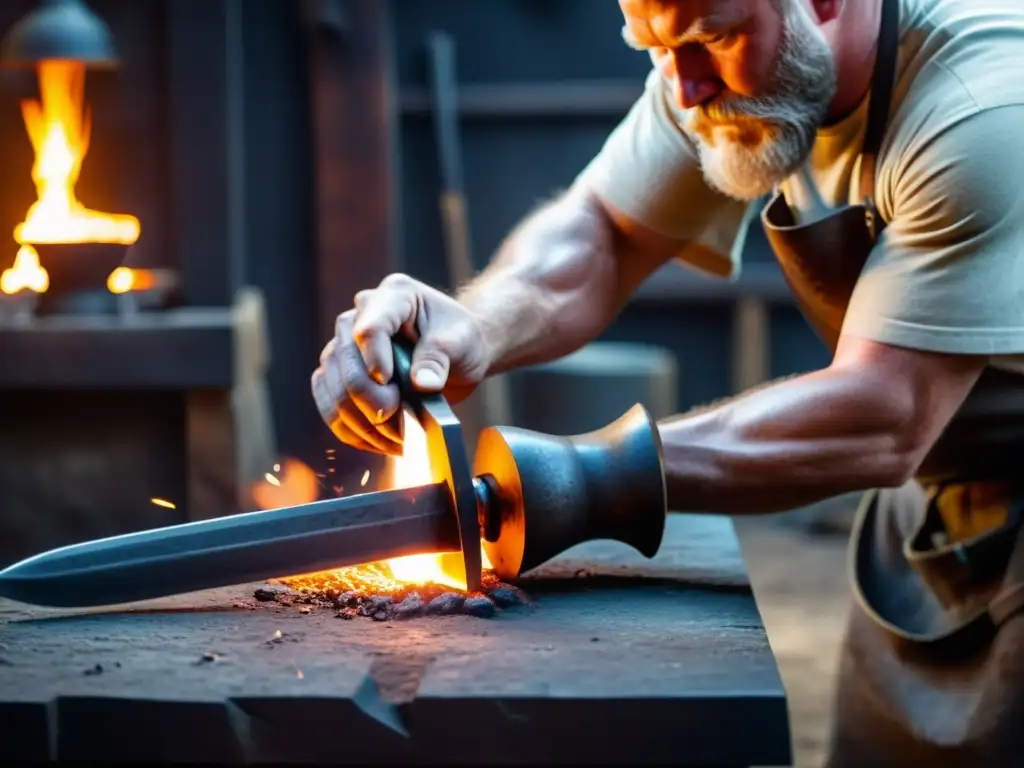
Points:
(788, 119)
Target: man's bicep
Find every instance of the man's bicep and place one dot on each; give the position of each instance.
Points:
(947, 275)
(639, 250)
(925, 389)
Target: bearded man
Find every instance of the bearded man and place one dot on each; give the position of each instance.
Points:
(890, 136)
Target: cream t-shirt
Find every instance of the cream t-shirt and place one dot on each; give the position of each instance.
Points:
(947, 274)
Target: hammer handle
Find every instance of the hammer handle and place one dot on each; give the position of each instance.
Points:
(412, 398)
(402, 375)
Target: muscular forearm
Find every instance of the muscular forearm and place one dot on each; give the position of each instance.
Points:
(552, 286)
(793, 443)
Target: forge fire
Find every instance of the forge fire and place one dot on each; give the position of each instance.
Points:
(401, 588)
(58, 125)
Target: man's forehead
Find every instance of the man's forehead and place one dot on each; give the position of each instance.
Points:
(679, 19)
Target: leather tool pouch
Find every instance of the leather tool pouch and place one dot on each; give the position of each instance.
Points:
(934, 663)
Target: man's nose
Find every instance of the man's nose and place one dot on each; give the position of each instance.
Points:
(697, 81)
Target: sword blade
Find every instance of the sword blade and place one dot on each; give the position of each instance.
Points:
(238, 549)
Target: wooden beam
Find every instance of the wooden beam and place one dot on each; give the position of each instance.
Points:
(175, 349)
(206, 133)
(354, 122)
(500, 101)
(674, 283)
(751, 342)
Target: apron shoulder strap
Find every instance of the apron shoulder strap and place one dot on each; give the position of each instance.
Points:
(882, 85)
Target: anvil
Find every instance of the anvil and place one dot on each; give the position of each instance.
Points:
(530, 496)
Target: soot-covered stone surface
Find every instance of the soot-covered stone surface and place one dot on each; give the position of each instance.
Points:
(616, 660)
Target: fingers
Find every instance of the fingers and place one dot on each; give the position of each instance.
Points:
(349, 401)
(381, 314)
(353, 388)
(326, 405)
(377, 402)
(348, 437)
(351, 419)
(430, 366)
(348, 424)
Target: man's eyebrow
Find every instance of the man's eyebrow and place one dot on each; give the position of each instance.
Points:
(704, 26)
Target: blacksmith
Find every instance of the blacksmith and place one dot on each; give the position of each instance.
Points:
(887, 137)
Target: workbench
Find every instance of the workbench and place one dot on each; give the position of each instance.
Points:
(619, 660)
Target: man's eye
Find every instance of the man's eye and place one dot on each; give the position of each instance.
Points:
(723, 40)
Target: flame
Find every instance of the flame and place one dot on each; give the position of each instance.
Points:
(124, 279)
(27, 274)
(58, 126)
(296, 483)
(410, 469)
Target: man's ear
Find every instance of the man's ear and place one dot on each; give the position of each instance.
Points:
(826, 10)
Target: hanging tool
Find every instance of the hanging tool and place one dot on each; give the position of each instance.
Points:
(489, 405)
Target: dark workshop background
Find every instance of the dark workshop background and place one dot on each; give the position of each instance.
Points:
(312, 164)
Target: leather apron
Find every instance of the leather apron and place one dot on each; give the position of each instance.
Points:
(932, 666)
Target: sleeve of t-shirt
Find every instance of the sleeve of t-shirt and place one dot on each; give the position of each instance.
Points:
(947, 274)
(649, 170)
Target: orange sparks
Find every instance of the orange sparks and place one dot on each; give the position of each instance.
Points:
(164, 503)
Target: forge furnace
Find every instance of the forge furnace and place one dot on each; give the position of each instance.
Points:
(132, 375)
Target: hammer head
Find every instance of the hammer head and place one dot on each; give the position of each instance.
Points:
(533, 495)
(541, 494)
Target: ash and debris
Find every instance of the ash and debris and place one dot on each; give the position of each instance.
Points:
(402, 603)
(280, 637)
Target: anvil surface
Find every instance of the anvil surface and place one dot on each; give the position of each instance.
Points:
(621, 660)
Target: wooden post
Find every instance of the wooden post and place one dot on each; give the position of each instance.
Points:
(354, 116)
(750, 343)
(354, 131)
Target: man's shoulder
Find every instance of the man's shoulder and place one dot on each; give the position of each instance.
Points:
(955, 52)
(959, 70)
